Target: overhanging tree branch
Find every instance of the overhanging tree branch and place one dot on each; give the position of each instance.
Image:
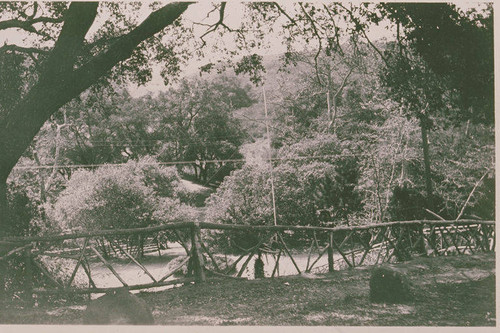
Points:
(360, 28)
(318, 37)
(27, 25)
(216, 25)
(61, 84)
(125, 45)
(15, 48)
(77, 21)
(282, 11)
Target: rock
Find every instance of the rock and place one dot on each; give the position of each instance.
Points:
(387, 285)
(118, 308)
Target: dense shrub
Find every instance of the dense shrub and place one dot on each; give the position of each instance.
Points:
(304, 187)
(138, 194)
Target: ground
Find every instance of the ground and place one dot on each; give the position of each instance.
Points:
(449, 291)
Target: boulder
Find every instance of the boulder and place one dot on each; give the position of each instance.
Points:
(388, 285)
(118, 308)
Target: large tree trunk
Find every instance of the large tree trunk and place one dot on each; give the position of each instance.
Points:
(59, 82)
(4, 207)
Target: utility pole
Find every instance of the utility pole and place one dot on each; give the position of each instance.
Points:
(270, 161)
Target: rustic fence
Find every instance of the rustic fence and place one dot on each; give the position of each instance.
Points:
(206, 245)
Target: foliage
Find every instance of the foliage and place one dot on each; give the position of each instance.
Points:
(457, 46)
(61, 59)
(463, 155)
(243, 198)
(391, 161)
(327, 173)
(198, 124)
(303, 188)
(441, 81)
(27, 209)
(119, 197)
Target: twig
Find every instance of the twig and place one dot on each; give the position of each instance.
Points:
(363, 32)
(470, 195)
(282, 11)
(436, 215)
(220, 22)
(320, 45)
(15, 251)
(175, 269)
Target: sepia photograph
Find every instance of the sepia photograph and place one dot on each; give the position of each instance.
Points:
(247, 164)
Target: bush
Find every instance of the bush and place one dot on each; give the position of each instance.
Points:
(135, 195)
(305, 189)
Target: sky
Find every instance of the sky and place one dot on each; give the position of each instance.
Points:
(234, 14)
(198, 13)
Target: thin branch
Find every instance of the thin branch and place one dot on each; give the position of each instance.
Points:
(336, 29)
(363, 32)
(344, 82)
(435, 214)
(35, 10)
(282, 11)
(216, 25)
(15, 48)
(320, 45)
(339, 90)
(393, 167)
(28, 24)
(470, 195)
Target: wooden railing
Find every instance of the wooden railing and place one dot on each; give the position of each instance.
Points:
(321, 249)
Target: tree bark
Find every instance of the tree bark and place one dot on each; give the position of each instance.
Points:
(59, 82)
(4, 209)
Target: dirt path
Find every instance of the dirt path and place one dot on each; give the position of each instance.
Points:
(158, 267)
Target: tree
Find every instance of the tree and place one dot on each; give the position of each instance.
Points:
(457, 46)
(429, 68)
(314, 177)
(68, 54)
(133, 195)
(196, 120)
(422, 94)
(67, 67)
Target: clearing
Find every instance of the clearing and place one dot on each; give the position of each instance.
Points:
(449, 291)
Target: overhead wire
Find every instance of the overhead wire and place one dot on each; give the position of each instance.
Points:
(237, 160)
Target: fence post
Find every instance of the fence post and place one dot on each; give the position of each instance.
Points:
(28, 277)
(196, 256)
(421, 240)
(330, 253)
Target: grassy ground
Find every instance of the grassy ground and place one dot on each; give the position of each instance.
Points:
(449, 291)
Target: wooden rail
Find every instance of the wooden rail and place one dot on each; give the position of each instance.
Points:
(216, 226)
(353, 245)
